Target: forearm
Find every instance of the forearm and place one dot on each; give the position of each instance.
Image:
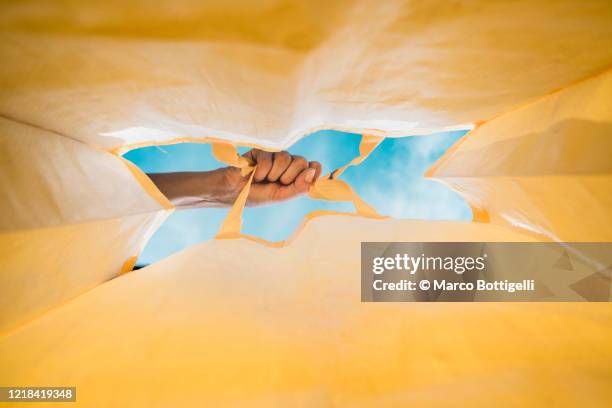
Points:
(196, 189)
(276, 177)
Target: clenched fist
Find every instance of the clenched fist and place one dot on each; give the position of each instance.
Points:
(278, 176)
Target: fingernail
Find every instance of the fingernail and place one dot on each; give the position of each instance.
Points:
(310, 173)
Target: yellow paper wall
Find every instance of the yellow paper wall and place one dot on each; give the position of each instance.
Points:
(72, 217)
(285, 327)
(114, 73)
(545, 167)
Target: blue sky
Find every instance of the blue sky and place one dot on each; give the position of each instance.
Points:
(390, 179)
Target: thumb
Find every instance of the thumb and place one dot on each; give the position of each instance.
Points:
(304, 180)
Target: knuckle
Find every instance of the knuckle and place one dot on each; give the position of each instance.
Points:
(283, 157)
(266, 158)
(255, 153)
(300, 161)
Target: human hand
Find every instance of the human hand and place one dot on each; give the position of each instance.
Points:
(279, 176)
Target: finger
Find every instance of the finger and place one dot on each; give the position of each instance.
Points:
(298, 164)
(318, 169)
(281, 160)
(263, 161)
(300, 186)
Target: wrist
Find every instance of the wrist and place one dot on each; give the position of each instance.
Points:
(228, 183)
